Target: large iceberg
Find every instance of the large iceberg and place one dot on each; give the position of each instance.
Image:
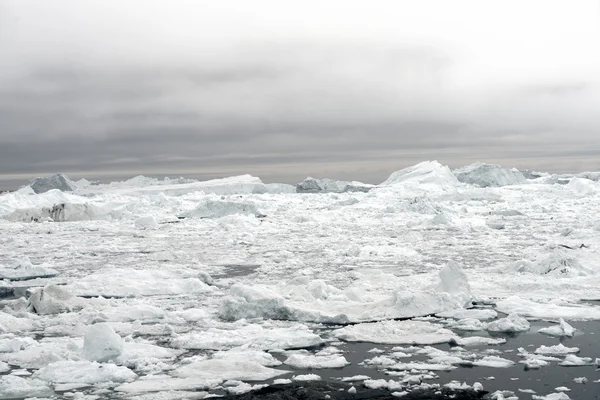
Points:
(427, 172)
(489, 175)
(58, 181)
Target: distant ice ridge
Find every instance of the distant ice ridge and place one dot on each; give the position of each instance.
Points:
(302, 299)
(242, 184)
(326, 185)
(489, 175)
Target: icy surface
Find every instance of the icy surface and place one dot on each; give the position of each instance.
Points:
(183, 278)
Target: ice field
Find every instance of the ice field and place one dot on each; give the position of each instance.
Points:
(174, 288)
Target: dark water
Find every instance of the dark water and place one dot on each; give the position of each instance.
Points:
(542, 380)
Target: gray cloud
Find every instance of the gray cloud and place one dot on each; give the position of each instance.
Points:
(336, 102)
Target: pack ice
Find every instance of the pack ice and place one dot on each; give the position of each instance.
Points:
(194, 288)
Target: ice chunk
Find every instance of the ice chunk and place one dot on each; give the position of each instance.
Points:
(326, 185)
(101, 343)
(395, 332)
(58, 181)
(534, 309)
(259, 357)
(306, 378)
(220, 208)
(535, 361)
(316, 361)
(12, 324)
(512, 323)
(477, 341)
(494, 362)
(53, 299)
(164, 383)
(15, 387)
(559, 350)
(481, 314)
(237, 369)
(558, 263)
(572, 360)
(24, 270)
(453, 280)
(129, 282)
(489, 175)
(562, 329)
(147, 222)
(583, 187)
(277, 188)
(308, 300)
(427, 172)
(84, 372)
(59, 212)
(552, 396)
(255, 336)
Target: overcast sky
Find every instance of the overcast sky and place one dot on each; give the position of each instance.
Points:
(286, 89)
